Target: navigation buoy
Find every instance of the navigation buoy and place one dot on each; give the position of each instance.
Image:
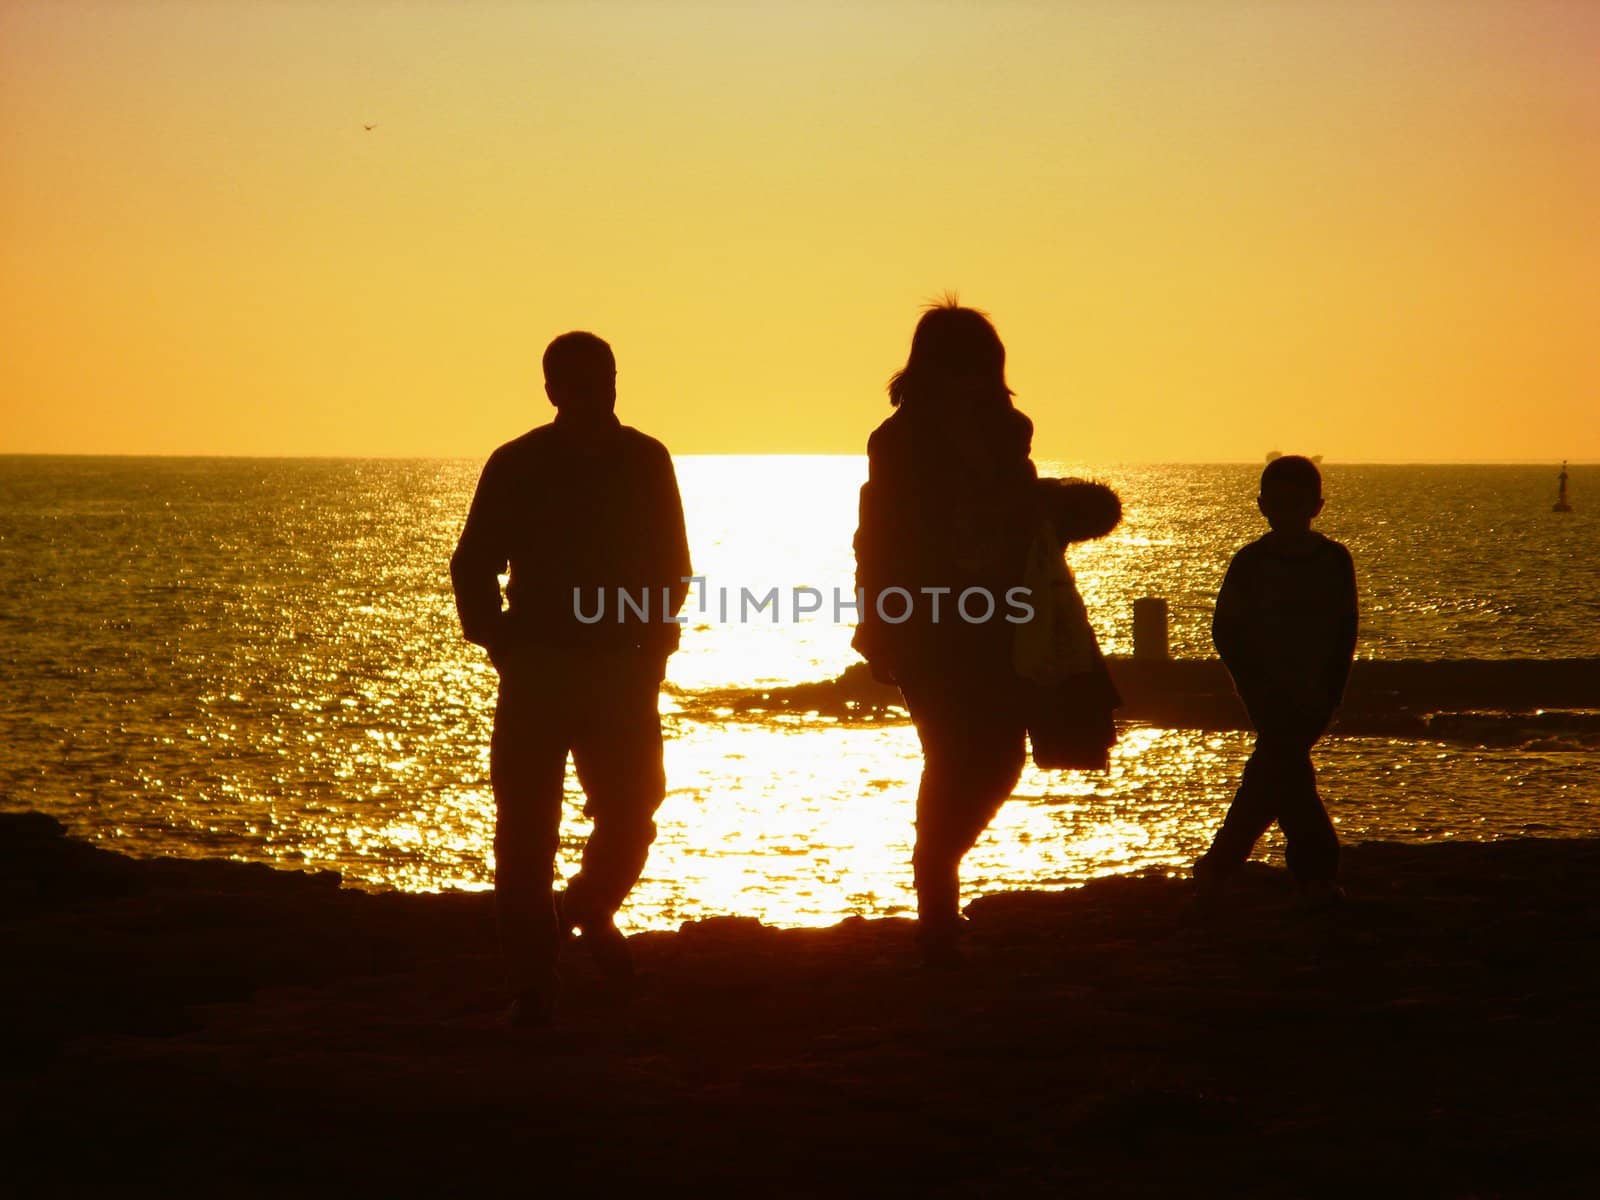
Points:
(1561, 504)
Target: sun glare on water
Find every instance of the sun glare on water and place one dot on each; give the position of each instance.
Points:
(265, 664)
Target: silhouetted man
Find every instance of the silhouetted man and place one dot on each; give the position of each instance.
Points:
(584, 510)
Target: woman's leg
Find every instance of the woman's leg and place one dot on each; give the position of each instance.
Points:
(973, 745)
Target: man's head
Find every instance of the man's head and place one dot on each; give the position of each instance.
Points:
(580, 374)
(1291, 493)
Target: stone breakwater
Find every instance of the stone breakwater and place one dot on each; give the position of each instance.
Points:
(1488, 701)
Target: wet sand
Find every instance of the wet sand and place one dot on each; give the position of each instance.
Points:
(183, 1027)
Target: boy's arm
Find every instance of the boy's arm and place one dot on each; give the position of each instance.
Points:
(1229, 626)
(1230, 633)
(1344, 648)
(481, 554)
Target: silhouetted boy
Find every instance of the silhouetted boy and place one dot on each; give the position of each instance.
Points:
(1285, 626)
(578, 509)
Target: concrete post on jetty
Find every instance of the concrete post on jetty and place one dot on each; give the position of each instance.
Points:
(1150, 629)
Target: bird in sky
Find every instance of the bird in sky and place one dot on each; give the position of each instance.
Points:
(370, 128)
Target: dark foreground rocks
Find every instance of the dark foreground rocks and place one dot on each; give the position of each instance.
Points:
(201, 1028)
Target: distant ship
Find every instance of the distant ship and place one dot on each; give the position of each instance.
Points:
(1272, 454)
(1561, 504)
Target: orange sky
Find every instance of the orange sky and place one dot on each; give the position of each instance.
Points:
(1205, 230)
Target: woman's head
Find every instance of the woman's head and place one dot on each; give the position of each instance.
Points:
(953, 345)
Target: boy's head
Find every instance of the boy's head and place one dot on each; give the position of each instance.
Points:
(1291, 493)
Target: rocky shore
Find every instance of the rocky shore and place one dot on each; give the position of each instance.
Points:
(206, 1028)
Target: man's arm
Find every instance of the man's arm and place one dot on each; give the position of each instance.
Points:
(674, 534)
(481, 555)
(668, 548)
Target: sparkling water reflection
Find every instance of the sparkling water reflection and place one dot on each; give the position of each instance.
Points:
(259, 659)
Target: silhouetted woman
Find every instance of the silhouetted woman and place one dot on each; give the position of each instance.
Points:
(948, 513)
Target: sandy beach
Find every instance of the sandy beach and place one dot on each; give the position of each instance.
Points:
(189, 1026)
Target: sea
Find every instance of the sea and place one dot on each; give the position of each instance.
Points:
(259, 659)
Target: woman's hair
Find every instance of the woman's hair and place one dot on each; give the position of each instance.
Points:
(952, 342)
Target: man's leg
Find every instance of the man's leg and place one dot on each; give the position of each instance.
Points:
(618, 754)
(527, 769)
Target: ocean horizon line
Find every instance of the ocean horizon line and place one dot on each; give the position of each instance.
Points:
(1042, 456)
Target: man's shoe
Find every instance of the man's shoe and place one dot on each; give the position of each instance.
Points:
(608, 947)
(534, 1008)
(940, 943)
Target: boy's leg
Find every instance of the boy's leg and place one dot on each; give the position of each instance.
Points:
(1311, 845)
(1254, 809)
